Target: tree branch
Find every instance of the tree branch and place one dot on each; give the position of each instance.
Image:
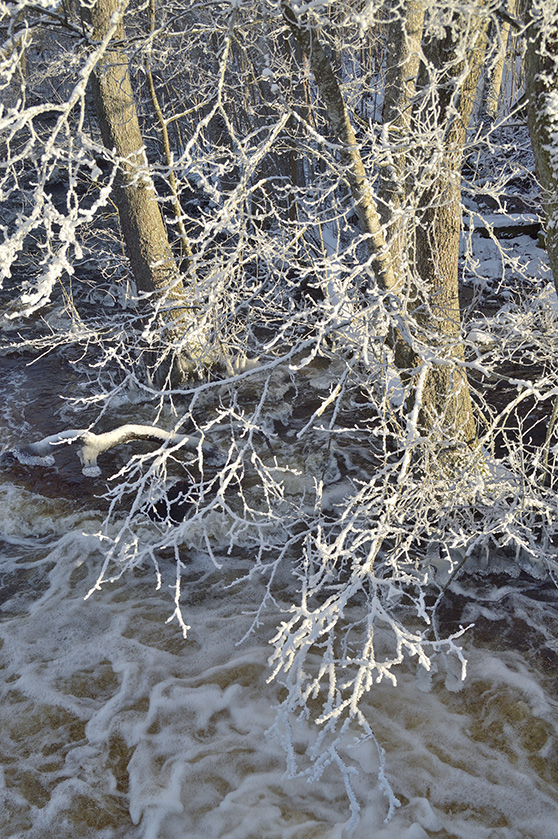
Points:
(92, 445)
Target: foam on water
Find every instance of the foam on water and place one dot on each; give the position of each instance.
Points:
(111, 725)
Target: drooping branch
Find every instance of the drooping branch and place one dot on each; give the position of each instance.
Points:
(92, 445)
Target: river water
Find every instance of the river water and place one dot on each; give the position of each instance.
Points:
(112, 725)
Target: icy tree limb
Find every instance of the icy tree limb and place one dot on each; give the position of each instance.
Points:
(92, 445)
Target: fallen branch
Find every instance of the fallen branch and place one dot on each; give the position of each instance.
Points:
(92, 445)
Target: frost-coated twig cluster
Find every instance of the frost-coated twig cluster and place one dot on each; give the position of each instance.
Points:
(293, 433)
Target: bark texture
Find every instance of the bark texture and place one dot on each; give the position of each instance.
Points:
(495, 72)
(432, 294)
(404, 37)
(143, 229)
(446, 400)
(541, 82)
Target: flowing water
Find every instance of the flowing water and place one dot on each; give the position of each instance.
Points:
(112, 725)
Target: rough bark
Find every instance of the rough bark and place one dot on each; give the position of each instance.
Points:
(402, 64)
(445, 397)
(147, 246)
(541, 81)
(403, 50)
(446, 400)
(495, 72)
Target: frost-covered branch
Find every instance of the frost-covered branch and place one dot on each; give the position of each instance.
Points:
(92, 445)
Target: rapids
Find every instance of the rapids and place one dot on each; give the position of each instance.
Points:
(112, 725)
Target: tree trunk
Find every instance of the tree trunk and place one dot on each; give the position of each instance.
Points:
(13, 51)
(446, 402)
(402, 65)
(495, 72)
(541, 82)
(147, 245)
(351, 160)
(185, 250)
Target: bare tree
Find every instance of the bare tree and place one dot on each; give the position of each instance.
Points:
(500, 31)
(143, 229)
(445, 108)
(351, 160)
(403, 52)
(152, 262)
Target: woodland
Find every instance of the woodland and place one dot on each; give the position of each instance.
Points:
(299, 258)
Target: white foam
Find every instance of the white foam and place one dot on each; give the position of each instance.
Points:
(165, 738)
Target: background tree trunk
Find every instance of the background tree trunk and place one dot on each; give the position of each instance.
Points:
(404, 37)
(495, 71)
(185, 250)
(445, 398)
(541, 82)
(351, 160)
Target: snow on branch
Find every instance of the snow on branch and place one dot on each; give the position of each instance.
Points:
(92, 445)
